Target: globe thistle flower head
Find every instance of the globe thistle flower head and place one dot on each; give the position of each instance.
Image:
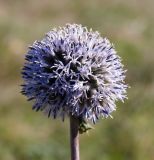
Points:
(74, 71)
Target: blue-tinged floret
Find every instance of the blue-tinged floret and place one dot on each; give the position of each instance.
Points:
(74, 71)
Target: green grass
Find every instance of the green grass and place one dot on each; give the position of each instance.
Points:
(27, 135)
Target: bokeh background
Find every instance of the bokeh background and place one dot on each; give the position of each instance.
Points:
(26, 135)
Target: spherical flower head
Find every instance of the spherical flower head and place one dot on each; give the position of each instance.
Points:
(73, 71)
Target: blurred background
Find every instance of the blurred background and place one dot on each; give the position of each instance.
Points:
(26, 135)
